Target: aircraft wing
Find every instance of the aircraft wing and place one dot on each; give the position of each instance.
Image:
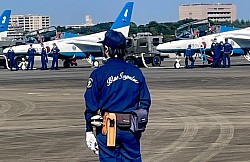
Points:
(87, 46)
(242, 40)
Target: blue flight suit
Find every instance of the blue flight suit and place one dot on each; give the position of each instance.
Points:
(216, 49)
(31, 53)
(189, 56)
(55, 51)
(44, 58)
(203, 55)
(117, 87)
(11, 57)
(221, 46)
(226, 54)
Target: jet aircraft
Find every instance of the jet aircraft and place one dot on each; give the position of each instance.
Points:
(240, 40)
(82, 47)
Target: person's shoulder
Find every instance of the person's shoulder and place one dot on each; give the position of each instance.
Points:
(98, 71)
(133, 68)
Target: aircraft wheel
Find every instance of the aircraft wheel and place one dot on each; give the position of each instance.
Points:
(177, 65)
(23, 65)
(96, 63)
(247, 56)
(156, 61)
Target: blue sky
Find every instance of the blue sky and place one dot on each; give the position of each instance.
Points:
(63, 12)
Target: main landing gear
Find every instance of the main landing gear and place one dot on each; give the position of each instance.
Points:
(68, 63)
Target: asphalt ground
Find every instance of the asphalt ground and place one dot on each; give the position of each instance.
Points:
(199, 114)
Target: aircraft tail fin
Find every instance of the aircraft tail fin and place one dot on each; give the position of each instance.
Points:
(122, 22)
(4, 20)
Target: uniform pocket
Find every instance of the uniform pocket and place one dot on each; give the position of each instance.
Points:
(123, 120)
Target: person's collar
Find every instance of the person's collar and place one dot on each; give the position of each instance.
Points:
(109, 60)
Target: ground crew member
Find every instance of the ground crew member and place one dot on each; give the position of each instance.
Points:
(203, 55)
(55, 51)
(31, 53)
(120, 88)
(221, 46)
(228, 49)
(215, 50)
(11, 59)
(44, 57)
(189, 56)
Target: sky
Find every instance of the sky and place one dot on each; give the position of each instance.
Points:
(69, 12)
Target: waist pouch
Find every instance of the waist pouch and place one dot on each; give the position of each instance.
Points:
(123, 120)
(139, 120)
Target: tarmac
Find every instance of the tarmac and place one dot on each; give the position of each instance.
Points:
(197, 115)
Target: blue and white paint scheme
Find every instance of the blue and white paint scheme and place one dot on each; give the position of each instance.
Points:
(240, 40)
(87, 46)
(4, 23)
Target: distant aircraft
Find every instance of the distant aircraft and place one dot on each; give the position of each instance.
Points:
(82, 47)
(4, 23)
(240, 40)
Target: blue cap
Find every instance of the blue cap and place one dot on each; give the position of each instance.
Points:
(114, 39)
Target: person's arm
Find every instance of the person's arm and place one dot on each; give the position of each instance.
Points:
(212, 48)
(46, 55)
(145, 99)
(8, 55)
(91, 99)
(58, 51)
(185, 54)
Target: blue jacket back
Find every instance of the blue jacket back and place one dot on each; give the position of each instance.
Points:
(116, 87)
(228, 48)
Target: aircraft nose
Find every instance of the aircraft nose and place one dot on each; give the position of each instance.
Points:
(5, 50)
(159, 47)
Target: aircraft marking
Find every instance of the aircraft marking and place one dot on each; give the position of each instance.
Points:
(4, 20)
(126, 13)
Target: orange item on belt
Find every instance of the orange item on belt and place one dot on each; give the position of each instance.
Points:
(109, 128)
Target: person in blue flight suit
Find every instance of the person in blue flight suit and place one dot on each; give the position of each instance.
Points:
(203, 54)
(31, 53)
(228, 49)
(189, 56)
(55, 51)
(221, 46)
(11, 58)
(215, 50)
(116, 87)
(44, 57)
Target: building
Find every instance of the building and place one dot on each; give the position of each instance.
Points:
(26, 23)
(88, 22)
(214, 12)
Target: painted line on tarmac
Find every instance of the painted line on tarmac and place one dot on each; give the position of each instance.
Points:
(31, 93)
